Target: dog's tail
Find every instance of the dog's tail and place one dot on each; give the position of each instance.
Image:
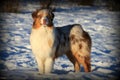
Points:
(80, 41)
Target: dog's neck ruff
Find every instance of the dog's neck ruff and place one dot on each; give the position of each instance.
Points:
(45, 26)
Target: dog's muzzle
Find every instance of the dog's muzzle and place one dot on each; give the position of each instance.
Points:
(44, 21)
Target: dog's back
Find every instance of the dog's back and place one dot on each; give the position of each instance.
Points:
(72, 38)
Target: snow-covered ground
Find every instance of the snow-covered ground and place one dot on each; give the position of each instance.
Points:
(16, 58)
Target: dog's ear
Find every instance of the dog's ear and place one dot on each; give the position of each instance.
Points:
(51, 10)
(34, 14)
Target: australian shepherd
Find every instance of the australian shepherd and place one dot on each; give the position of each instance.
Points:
(49, 42)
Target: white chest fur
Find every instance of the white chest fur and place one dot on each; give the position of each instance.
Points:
(42, 41)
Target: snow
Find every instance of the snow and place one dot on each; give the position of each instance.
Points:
(16, 58)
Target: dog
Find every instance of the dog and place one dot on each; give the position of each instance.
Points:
(49, 42)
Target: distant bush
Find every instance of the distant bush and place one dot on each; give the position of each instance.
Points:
(14, 5)
(9, 5)
(113, 5)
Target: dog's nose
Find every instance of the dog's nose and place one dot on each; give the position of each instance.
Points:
(45, 20)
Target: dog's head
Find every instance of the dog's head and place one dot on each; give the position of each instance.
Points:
(43, 17)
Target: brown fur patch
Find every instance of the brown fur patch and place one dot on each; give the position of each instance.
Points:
(80, 46)
(76, 40)
(50, 42)
(72, 37)
(36, 23)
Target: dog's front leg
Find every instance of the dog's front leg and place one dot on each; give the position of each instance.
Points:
(40, 64)
(48, 65)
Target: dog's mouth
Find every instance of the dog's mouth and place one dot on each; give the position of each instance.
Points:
(45, 22)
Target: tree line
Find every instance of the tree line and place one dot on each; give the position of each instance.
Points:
(14, 5)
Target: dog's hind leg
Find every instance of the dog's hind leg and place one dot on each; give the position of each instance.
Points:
(77, 66)
(88, 64)
(85, 61)
(74, 61)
